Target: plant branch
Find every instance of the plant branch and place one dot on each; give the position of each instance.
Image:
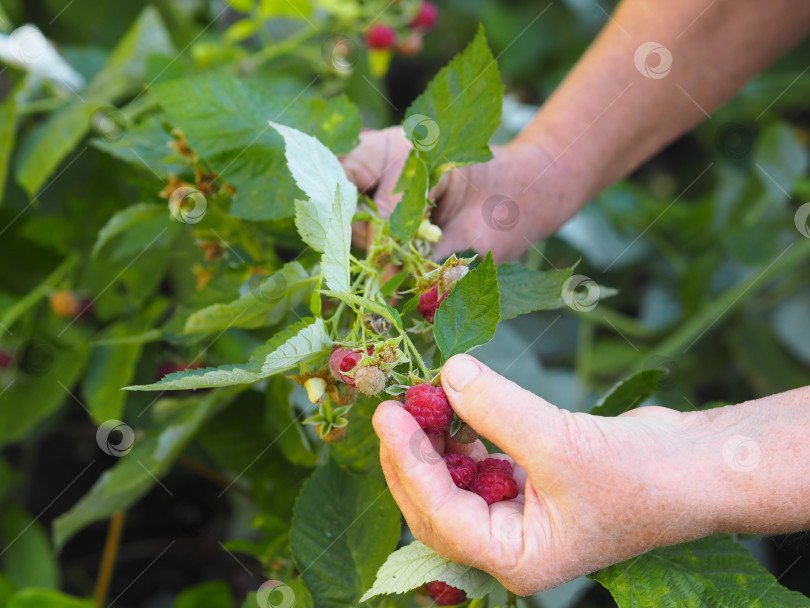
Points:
(107, 567)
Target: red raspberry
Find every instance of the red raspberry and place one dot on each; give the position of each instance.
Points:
(461, 467)
(426, 17)
(494, 486)
(343, 360)
(495, 464)
(429, 302)
(429, 405)
(445, 595)
(6, 359)
(380, 37)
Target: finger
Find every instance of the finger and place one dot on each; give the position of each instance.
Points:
(413, 517)
(516, 420)
(459, 519)
(363, 164)
(475, 450)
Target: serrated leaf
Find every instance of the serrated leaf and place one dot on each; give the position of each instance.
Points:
(285, 350)
(713, 572)
(468, 316)
(266, 304)
(343, 528)
(337, 245)
(319, 174)
(629, 393)
(408, 214)
(225, 120)
(523, 290)
(385, 311)
(464, 101)
(416, 564)
(145, 145)
(150, 458)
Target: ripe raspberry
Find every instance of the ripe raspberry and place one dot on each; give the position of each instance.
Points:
(380, 37)
(343, 360)
(429, 302)
(494, 486)
(429, 405)
(461, 467)
(65, 304)
(6, 359)
(445, 595)
(369, 379)
(452, 275)
(495, 464)
(426, 17)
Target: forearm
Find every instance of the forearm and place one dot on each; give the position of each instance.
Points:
(758, 463)
(606, 118)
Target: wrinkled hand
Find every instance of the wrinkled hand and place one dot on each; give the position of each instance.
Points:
(593, 490)
(505, 205)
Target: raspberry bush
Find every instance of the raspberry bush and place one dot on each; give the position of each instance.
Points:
(216, 278)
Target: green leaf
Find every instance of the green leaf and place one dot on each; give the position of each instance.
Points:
(225, 120)
(780, 158)
(28, 558)
(319, 174)
(408, 214)
(359, 451)
(414, 565)
(113, 366)
(295, 344)
(286, 429)
(337, 246)
(383, 310)
(147, 143)
(132, 227)
(629, 393)
(452, 121)
(713, 572)
(523, 290)
(32, 398)
(296, 9)
(468, 316)
(213, 594)
(8, 131)
(150, 458)
(343, 528)
(42, 598)
(45, 148)
(269, 300)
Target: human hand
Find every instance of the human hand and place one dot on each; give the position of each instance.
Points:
(592, 490)
(506, 204)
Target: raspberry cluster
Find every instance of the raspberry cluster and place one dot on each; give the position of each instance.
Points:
(443, 594)
(385, 37)
(492, 479)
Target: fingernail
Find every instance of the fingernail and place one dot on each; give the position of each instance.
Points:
(460, 371)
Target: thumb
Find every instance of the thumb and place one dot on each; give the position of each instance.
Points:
(517, 421)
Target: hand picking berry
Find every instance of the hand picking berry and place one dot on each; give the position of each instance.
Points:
(429, 302)
(445, 595)
(429, 406)
(494, 486)
(461, 468)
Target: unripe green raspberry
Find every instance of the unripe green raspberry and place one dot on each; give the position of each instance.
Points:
(369, 380)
